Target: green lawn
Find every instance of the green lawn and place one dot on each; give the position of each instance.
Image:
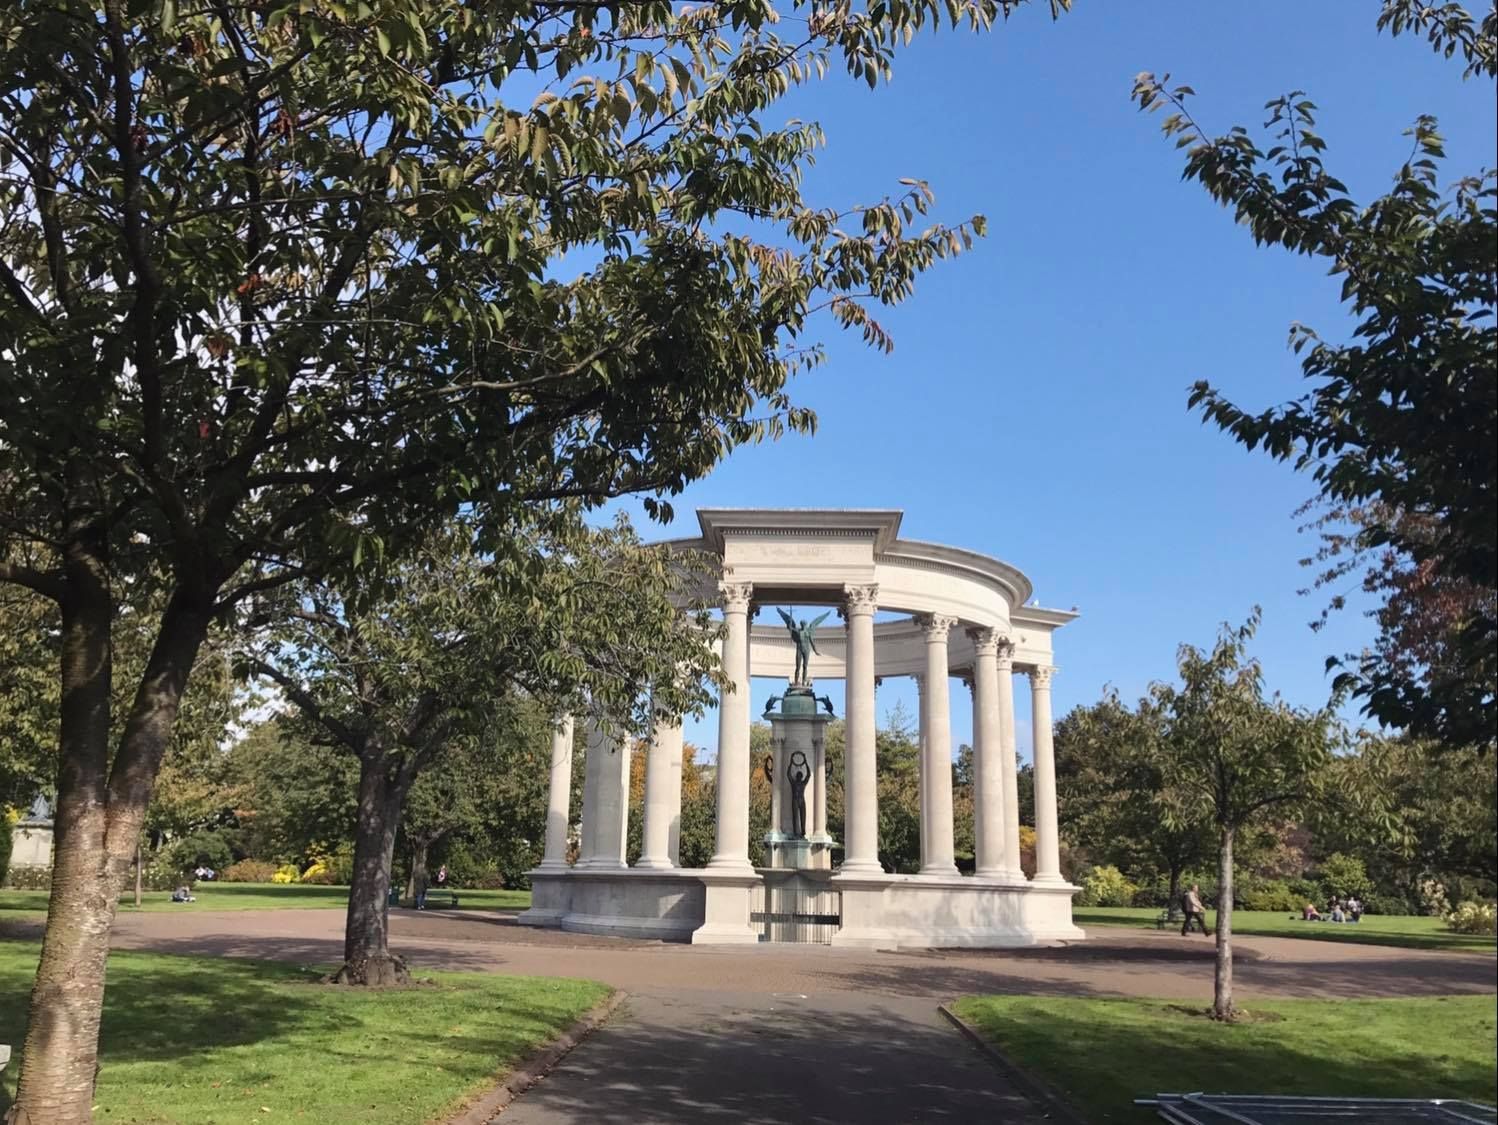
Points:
(213, 1040)
(1375, 929)
(1102, 1054)
(261, 896)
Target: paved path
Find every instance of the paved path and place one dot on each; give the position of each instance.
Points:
(1112, 962)
(774, 1033)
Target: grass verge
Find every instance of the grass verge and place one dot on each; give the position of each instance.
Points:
(1102, 1054)
(1408, 931)
(259, 896)
(212, 1040)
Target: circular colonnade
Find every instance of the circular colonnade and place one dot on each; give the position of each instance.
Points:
(964, 615)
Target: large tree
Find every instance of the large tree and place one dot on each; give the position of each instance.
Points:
(1111, 777)
(428, 663)
(1239, 758)
(284, 283)
(487, 788)
(1401, 421)
(296, 794)
(1442, 813)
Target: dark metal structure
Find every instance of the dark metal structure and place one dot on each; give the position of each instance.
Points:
(799, 907)
(1277, 1109)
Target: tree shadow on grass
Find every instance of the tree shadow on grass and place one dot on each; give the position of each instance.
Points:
(185, 1036)
(1102, 1065)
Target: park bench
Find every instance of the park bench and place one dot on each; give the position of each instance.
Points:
(1168, 917)
(443, 893)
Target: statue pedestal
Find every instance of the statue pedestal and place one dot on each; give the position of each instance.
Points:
(798, 774)
(800, 853)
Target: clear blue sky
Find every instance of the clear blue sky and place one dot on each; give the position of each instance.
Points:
(1034, 408)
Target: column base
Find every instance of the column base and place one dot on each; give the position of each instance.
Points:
(653, 863)
(1002, 876)
(1046, 879)
(861, 867)
(941, 870)
(738, 865)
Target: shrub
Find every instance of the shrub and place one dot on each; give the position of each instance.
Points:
(7, 818)
(1275, 895)
(249, 871)
(1473, 918)
(1386, 904)
(1433, 898)
(319, 874)
(196, 848)
(1155, 894)
(29, 878)
(1343, 875)
(287, 873)
(1106, 886)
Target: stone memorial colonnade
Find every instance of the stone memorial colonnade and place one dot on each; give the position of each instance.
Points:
(962, 615)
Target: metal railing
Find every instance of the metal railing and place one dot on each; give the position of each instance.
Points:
(795, 908)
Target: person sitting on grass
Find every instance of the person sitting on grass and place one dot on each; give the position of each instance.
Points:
(1354, 909)
(1310, 913)
(1337, 912)
(183, 894)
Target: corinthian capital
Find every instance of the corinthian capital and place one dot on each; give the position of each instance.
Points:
(986, 640)
(736, 596)
(1040, 676)
(935, 626)
(860, 599)
(1005, 654)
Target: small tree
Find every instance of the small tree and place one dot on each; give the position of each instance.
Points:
(1228, 751)
(429, 660)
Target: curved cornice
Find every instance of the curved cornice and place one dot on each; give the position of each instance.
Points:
(963, 563)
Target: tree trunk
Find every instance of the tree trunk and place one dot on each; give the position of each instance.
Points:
(1173, 903)
(67, 998)
(420, 876)
(367, 959)
(137, 875)
(1222, 983)
(98, 824)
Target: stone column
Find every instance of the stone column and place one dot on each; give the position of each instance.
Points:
(1047, 839)
(731, 850)
(665, 744)
(988, 758)
(673, 824)
(936, 821)
(819, 791)
(1008, 760)
(606, 817)
(559, 798)
(861, 793)
(923, 734)
(586, 845)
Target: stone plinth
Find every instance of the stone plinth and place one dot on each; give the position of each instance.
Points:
(797, 727)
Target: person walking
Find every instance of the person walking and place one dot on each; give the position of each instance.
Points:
(1191, 906)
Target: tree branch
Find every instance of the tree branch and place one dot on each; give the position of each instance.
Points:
(307, 705)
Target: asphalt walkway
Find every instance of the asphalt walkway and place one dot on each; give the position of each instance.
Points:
(805, 1034)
